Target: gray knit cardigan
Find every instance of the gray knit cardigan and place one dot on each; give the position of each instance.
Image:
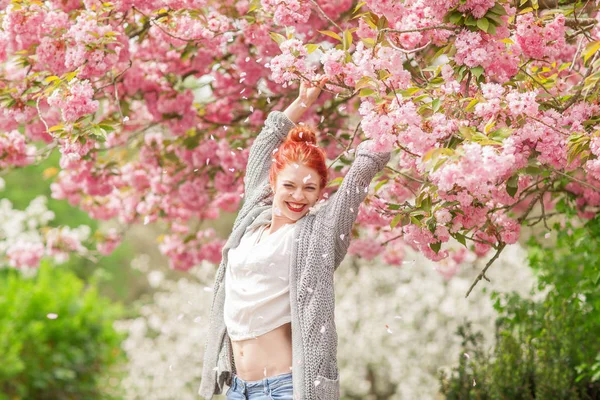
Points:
(320, 243)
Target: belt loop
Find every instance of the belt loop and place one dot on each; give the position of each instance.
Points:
(266, 385)
(233, 383)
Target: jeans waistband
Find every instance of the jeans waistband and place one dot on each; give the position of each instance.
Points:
(262, 384)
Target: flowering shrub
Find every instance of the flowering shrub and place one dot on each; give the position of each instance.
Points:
(26, 237)
(58, 341)
(489, 106)
(394, 329)
(543, 349)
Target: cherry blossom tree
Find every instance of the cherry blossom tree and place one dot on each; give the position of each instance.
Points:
(489, 107)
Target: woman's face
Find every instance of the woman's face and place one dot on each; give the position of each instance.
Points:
(296, 190)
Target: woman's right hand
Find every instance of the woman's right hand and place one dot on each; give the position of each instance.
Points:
(306, 97)
(309, 92)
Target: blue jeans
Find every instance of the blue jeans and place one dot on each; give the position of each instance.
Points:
(274, 388)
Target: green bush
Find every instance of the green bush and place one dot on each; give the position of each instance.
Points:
(67, 357)
(547, 349)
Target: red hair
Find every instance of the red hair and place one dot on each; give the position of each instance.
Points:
(300, 147)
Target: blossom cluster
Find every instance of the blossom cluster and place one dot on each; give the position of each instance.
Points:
(477, 99)
(22, 243)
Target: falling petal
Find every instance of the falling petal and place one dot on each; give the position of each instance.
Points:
(352, 210)
(310, 290)
(212, 137)
(232, 169)
(196, 170)
(306, 178)
(265, 371)
(466, 355)
(232, 153)
(215, 369)
(146, 219)
(251, 109)
(225, 128)
(268, 100)
(208, 289)
(317, 382)
(303, 105)
(207, 161)
(322, 118)
(259, 60)
(296, 166)
(342, 236)
(301, 135)
(125, 119)
(247, 59)
(51, 316)
(197, 319)
(366, 189)
(325, 255)
(171, 367)
(397, 317)
(180, 317)
(323, 329)
(547, 235)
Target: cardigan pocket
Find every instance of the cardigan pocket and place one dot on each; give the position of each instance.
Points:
(328, 389)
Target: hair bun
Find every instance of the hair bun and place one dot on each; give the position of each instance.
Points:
(302, 134)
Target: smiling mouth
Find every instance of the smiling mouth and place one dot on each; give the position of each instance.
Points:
(295, 209)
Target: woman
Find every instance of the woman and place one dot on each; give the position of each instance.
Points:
(272, 329)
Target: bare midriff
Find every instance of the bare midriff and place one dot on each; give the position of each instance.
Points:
(264, 356)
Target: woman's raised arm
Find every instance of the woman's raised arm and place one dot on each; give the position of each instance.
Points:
(276, 128)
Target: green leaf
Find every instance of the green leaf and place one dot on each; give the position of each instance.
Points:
(359, 6)
(460, 238)
(471, 104)
(395, 221)
(597, 279)
(380, 184)
(498, 9)
(455, 18)
(512, 185)
(347, 39)
(278, 38)
(483, 24)
(56, 128)
(590, 50)
(311, 47)
(470, 21)
(436, 246)
(331, 34)
(366, 92)
(477, 71)
(435, 105)
(336, 181)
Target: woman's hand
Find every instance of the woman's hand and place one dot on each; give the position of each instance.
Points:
(308, 94)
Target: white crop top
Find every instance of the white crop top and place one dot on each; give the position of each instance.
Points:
(257, 285)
